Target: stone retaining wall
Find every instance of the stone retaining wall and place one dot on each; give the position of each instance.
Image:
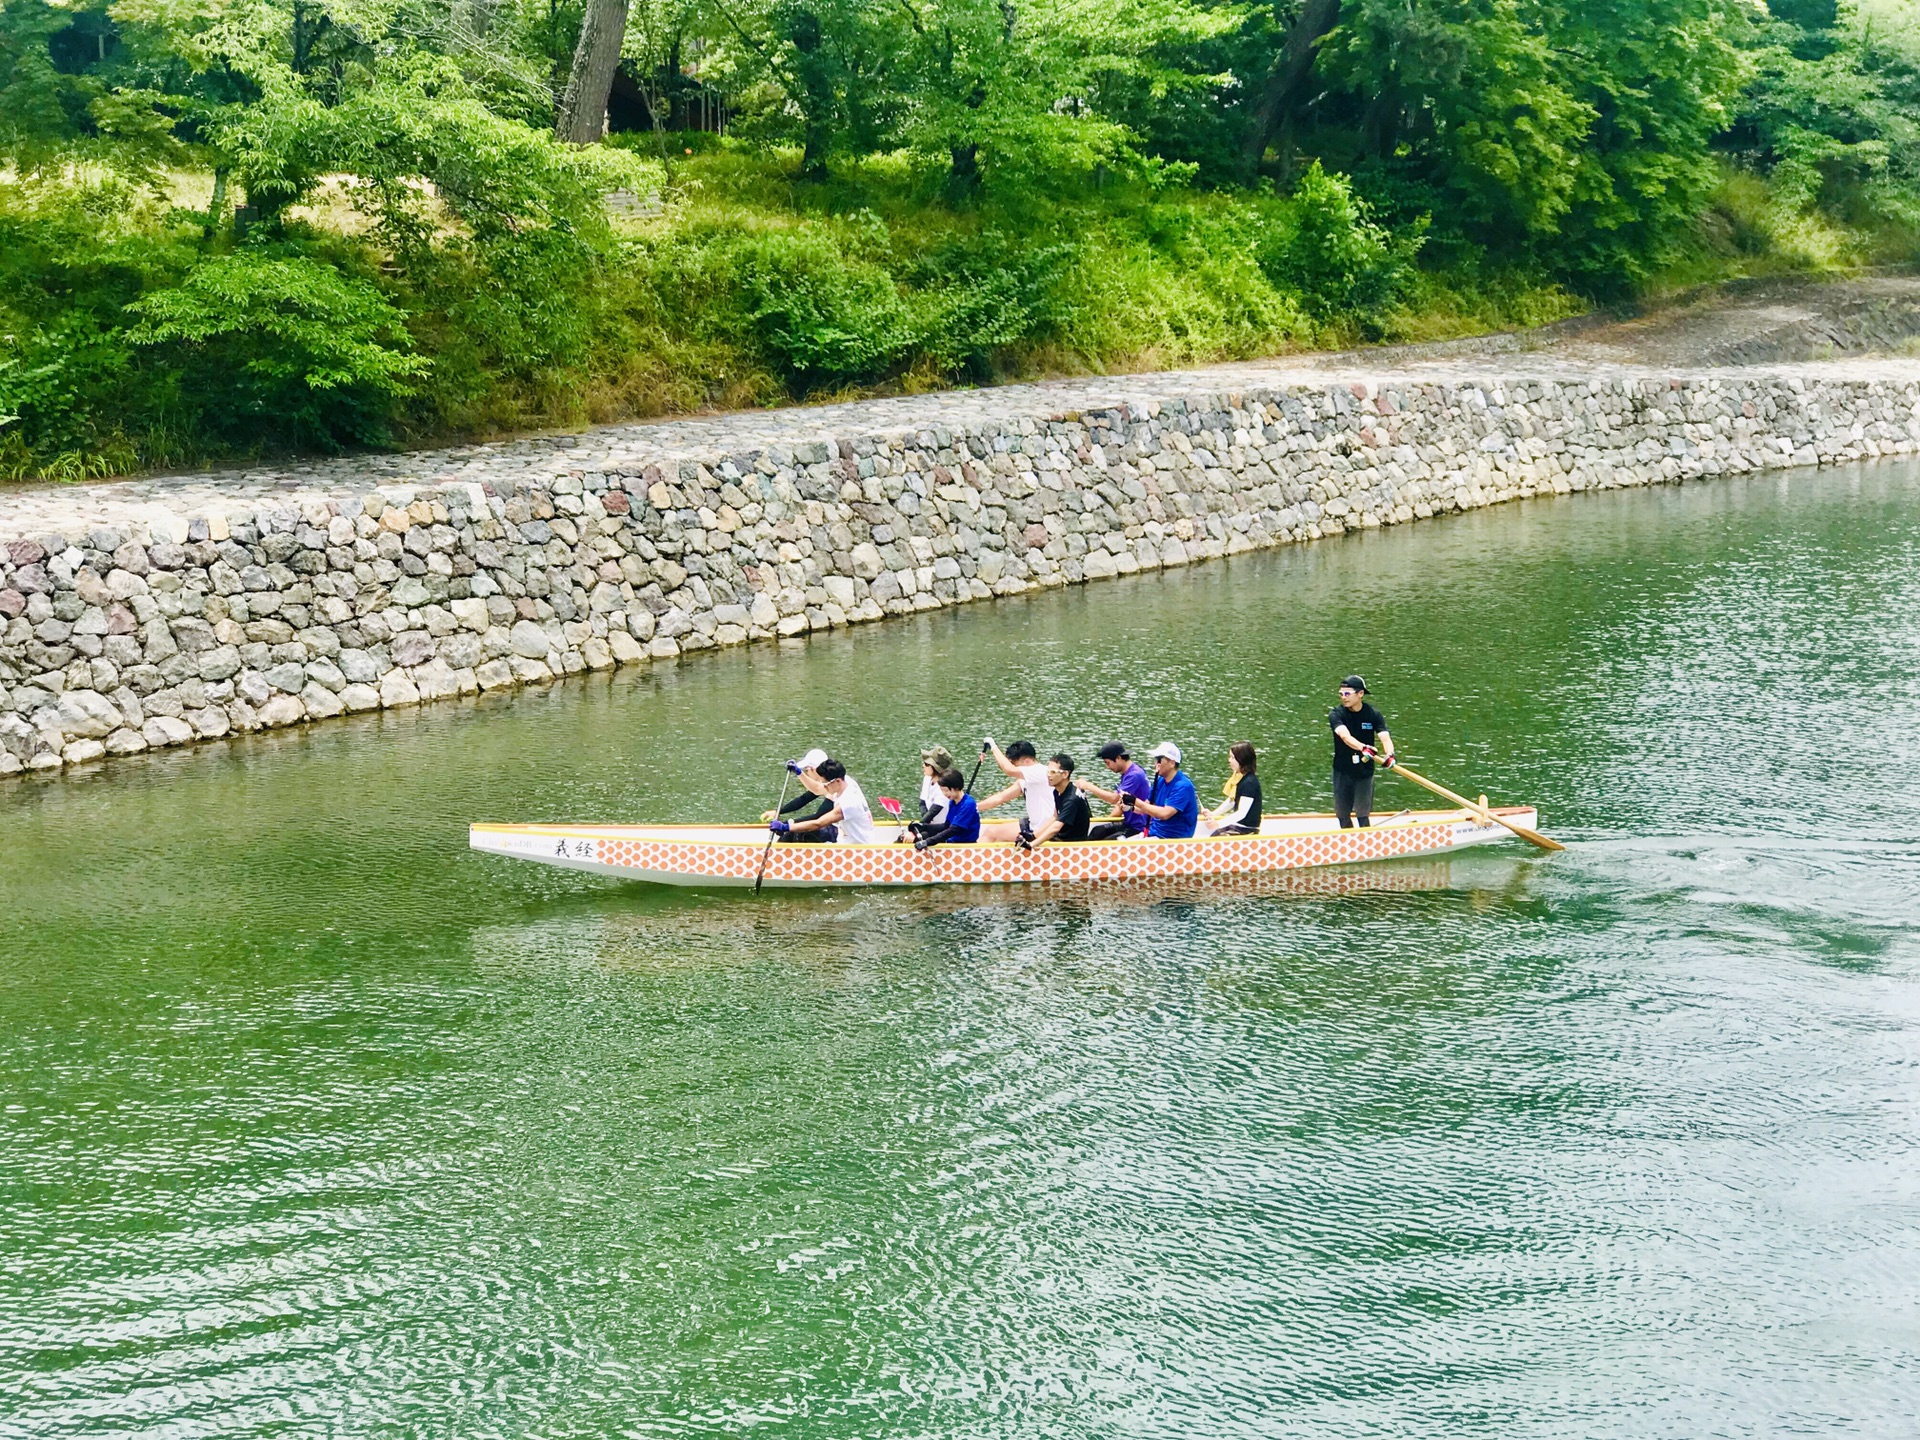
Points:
(284, 609)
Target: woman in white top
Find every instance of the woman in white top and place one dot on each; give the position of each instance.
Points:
(934, 763)
(1020, 761)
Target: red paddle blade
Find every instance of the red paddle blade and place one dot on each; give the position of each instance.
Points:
(890, 805)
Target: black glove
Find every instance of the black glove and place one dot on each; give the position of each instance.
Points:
(920, 843)
(793, 767)
(1126, 800)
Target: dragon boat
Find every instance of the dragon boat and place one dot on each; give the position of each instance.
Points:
(717, 856)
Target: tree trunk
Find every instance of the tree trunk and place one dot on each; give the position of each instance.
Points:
(480, 16)
(964, 176)
(1272, 116)
(813, 66)
(583, 110)
(307, 30)
(1380, 127)
(217, 204)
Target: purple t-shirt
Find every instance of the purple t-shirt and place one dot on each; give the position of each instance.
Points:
(1135, 783)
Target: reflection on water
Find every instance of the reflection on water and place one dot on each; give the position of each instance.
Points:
(318, 1124)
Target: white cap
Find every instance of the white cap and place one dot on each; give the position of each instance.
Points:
(813, 759)
(1165, 750)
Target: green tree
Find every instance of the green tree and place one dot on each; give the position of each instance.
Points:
(1475, 89)
(829, 73)
(1023, 89)
(1662, 78)
(284, 341)
(1833, 113)
(1576, 133)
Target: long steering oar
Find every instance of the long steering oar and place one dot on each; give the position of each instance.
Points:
(1532, 837)
(761, 873)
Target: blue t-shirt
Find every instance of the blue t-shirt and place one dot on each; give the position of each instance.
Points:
(1134, 782)
(964, 816)
(1177, 792)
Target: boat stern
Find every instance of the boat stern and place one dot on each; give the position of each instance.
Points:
(545, 845)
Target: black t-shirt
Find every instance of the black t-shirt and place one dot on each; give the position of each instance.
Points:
(1073, 814)
(1365, 725)
(1249, 790)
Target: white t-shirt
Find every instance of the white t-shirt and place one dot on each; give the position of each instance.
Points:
(933, 800)
(856, 817)
(1039, 791)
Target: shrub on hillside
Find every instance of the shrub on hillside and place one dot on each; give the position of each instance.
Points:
(824, 317)
(72, 257)
(1345, 267)
(253, 339)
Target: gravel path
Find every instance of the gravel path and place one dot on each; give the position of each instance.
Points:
(1781, 327)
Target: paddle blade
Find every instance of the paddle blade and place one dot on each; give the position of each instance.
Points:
(890, 805)
(1533, 837)
(1545, 842)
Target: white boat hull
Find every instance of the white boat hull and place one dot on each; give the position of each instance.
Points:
(719, 856)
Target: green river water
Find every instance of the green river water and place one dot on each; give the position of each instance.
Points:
(316, 1124)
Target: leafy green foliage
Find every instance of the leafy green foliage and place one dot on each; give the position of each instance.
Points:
(1469, 85)
(1343, 265)
(238, 225)
(72, 257)
(827, 318)
(1575, 134)
(979, 89)
(285, 340)
(1833, 115)
(987, 294)
(823, 316)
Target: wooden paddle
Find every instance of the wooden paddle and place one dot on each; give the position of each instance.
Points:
(761, 873)
(986, 749)
(1533, 837)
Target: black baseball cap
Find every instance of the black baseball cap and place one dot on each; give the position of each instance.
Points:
(1354, 682)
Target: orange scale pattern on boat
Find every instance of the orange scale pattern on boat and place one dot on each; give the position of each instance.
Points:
(1003, 864)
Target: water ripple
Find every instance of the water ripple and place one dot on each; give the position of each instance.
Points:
(318, 1126)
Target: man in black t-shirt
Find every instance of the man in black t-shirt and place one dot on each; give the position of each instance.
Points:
(1071, 815)
(1359, 736)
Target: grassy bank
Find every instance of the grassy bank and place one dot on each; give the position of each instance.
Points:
(252, 227)
(736, 283)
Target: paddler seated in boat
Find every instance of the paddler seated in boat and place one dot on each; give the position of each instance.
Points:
(961, 825)
(1123, 824)
(1072, 819)
(935, 762)
(807, 765)
(1172, 807)
(847, 820)
(1240, 815)
(1359, 738)
(1021, 761)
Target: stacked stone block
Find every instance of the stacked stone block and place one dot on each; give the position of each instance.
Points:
(285, 609)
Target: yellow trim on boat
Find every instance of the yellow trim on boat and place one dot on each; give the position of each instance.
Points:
(756, 834)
